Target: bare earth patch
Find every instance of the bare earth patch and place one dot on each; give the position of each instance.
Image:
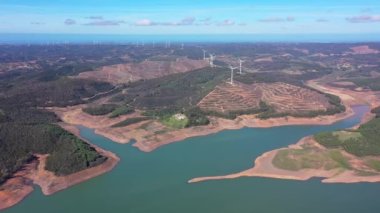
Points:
(25, 66)
(123, 73)
(226, 98)
(285, 98)
(364, 49)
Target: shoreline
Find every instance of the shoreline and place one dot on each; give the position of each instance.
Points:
(17, 188)
(263, 166)
(148, 139)
(157, 135)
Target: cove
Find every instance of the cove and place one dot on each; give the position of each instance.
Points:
(156, 182)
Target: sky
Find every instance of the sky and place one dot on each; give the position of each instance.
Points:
(154, 17)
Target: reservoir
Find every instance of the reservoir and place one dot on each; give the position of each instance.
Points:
(156, 182)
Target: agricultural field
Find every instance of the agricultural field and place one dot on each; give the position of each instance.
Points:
(226, 98)
(286, 98)
(281, 98)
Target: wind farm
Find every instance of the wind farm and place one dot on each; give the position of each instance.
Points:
(189, 106)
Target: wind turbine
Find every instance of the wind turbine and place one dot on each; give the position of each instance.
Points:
(212, 58)
(232, 74)
(182, 46)
(240, 63)
(204, 55)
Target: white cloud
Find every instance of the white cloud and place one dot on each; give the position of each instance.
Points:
(186, 21)
(322, 20)
(144, 22)
(69, 22)
(278, 19)
(227, 22)
(95, 17)
(105, 23)
(363, 19)
(183, 22)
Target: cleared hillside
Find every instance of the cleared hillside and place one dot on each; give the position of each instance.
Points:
(281, 97)
(148, 69)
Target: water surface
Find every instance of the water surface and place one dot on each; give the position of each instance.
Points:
(156, 182)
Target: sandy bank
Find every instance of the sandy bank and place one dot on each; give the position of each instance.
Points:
(263, 167)
(17, 188)
(150, 135)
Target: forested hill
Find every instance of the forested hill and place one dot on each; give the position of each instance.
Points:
(26, 129)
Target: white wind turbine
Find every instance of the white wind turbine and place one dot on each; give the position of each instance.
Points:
(212, 58)
(240, 63)
(232, 74)
(204, 55)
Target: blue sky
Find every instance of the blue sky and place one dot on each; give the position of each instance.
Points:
(190, 16)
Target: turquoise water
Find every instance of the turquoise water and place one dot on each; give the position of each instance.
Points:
(156, 182)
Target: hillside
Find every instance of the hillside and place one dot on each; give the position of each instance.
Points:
(272, 99)
(147, 69)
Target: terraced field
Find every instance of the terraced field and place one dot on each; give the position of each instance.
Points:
(282, 97)
(227, 98)
(286, 98)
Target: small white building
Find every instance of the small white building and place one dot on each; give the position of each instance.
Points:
(180, 116)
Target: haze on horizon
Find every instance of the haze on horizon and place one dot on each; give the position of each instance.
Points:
(190, 17)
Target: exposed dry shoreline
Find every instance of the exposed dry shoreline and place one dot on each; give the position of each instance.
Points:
(21, 185)
(158, 135)
(150, 135)
(263, 166)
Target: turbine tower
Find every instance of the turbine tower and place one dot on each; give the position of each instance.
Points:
(212, 58)
(240, 63)
(232, 74)
(204, 55)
